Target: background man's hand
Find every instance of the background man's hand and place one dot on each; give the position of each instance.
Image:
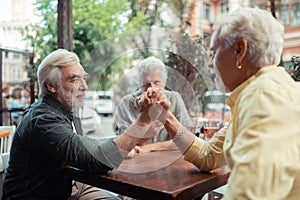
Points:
(149, 105)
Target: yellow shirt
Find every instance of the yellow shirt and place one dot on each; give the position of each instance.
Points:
(262, 142)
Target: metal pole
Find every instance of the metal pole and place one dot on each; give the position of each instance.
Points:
(64, 24)
(32, 96)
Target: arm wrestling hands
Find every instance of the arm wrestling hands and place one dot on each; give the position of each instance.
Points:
(155, 98)
(159, 109)
(159, 113)
(153, 106)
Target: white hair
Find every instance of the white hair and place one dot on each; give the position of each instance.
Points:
(150, 64)
(262, 31)
(49, 69)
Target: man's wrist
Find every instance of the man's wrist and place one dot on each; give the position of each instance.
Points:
(180, 133)
(172, 125)
(184, 139)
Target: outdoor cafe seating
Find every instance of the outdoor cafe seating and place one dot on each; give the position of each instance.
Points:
(6, 135)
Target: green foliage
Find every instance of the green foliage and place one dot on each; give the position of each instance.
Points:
(188, 56)
(295, 68)
(106, 30)
(191, 65)
(94, 22)
(111, 36)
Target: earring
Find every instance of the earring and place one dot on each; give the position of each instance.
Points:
(238, 65)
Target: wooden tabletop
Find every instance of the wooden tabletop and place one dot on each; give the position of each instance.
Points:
(156, 175)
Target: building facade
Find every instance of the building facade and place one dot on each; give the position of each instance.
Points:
(15, 15)
(287, 11)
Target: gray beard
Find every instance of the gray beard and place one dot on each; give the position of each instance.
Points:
(69, 100)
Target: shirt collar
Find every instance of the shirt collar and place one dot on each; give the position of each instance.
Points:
(48, 99)
(235, 93)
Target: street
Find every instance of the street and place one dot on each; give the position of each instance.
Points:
(105, 129)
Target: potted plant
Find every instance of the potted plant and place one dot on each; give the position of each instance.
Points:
(295, 68)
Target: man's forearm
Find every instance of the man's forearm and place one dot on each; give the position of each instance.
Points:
(136, 133)
(172, 125)
(126, 142)
(181, 136)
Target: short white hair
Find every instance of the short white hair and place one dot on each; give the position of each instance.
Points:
(264, 34)
(150, 64)
(49, 70)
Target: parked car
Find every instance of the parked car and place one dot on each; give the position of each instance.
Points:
(90, 120)
(91, 99)
(216, 100)
(215, 105)
(105, 103)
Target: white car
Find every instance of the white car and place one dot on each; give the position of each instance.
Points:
(105, 104)
(90, 120)
(91, 99)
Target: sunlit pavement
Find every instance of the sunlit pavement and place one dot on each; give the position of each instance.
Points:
(105, 129)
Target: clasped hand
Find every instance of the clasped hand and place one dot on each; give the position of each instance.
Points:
(153, 105)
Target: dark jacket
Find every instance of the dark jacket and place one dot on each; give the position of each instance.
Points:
(43, 144)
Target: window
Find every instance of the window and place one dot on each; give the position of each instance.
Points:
(207, 11)
(295, 14)
(16, 56)
(224, 7)
(284, 15)
(290, 12)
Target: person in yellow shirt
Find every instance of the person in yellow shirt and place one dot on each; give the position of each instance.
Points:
(261, 143)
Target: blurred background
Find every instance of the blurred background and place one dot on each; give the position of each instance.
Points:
(111, 37)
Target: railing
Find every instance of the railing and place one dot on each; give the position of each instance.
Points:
(9, 120)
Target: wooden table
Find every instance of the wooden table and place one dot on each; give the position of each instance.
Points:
(156, 175)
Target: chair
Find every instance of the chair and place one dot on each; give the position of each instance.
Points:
(218, 193)
(6, 135)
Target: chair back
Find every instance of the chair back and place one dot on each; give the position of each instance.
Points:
(6, 136)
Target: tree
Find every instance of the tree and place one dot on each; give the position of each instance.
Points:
(295, 68)
(109, 35)
(93, 22)
(131, 43)
(188, 56)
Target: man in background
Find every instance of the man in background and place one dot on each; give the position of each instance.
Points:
(152, 73)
